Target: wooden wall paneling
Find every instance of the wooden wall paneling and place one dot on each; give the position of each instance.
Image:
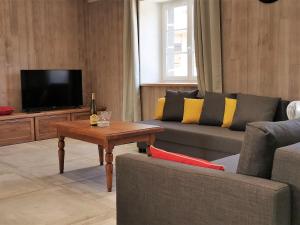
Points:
(150, 94)
(263, 75)
(105, 50)
(294, 49)
(48, 34)
(261, 53)
(234, 44)
(251, 53)
(61, 27)
(10, 50)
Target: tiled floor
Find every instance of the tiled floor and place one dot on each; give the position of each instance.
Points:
(32, 192)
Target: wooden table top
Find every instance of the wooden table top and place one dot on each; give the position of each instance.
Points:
(116, 130)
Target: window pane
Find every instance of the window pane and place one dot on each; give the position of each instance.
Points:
(177, 65)
(170, 19)
(180, 17)
(177, 18)
(177, 41)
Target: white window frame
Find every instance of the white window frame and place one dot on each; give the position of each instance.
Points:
(191, 77)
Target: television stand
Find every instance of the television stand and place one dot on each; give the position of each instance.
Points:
(33, 126)
(32, 111)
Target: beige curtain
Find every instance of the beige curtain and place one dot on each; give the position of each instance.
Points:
(131, 70)
(207, 28)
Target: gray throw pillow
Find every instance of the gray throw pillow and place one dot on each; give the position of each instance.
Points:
(213, 108)
(174, 104)
(252, 108)
(281, 113)
(260, 143)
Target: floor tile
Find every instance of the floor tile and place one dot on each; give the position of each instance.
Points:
(33, 192)
(13, 184)
(51, 206)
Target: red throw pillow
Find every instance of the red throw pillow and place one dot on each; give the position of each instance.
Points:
(6, 110)
(161, 154)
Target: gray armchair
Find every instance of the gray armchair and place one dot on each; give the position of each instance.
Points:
(157, 192)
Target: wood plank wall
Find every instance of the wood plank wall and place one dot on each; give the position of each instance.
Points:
(105, 49)
(261, 50)
(261, 47)
(36, 34)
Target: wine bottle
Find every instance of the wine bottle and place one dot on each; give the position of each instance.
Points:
(93, 110)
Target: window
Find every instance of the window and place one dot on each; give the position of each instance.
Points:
(178, 41)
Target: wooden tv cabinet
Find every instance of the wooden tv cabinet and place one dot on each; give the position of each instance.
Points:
(25, 127)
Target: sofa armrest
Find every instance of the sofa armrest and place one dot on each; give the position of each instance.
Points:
(286, 169)
(156, 192)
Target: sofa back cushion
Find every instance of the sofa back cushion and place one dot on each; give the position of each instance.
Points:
(281, 114)
(174, 104)
(192, 110)
(159, 109)
(230, 107)
(213, 108)
(261, 141)
(252, 108)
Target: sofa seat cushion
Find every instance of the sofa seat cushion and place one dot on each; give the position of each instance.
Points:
(230, 163)
(200, 136)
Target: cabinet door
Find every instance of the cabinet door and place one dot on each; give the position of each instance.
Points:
(43, 127)
(81, 116)
(16, 131)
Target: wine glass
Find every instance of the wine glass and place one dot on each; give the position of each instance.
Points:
(104, 118)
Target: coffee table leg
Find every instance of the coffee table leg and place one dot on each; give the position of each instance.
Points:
(151, 141)
(101, 154)
(61, 153)
(109, 167)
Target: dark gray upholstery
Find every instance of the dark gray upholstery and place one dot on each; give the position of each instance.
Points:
(208, 138)
(191, 151)
(213, 108)
(174, 104)
(202, 141)
(251, 108)
(261, 141)
(230, 163)
(157, 192)
(286, 169)
(281, 114)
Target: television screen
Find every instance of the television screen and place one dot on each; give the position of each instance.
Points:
(46, 89)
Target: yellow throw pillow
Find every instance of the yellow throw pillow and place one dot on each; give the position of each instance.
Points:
(192, 110)
(230, 107)
(159, 110)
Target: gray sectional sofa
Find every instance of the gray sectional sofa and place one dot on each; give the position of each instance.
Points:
(157, 192)
(206, 142)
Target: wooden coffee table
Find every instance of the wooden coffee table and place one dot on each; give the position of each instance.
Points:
(107, 138)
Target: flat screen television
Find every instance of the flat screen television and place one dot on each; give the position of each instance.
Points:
(51, 89)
